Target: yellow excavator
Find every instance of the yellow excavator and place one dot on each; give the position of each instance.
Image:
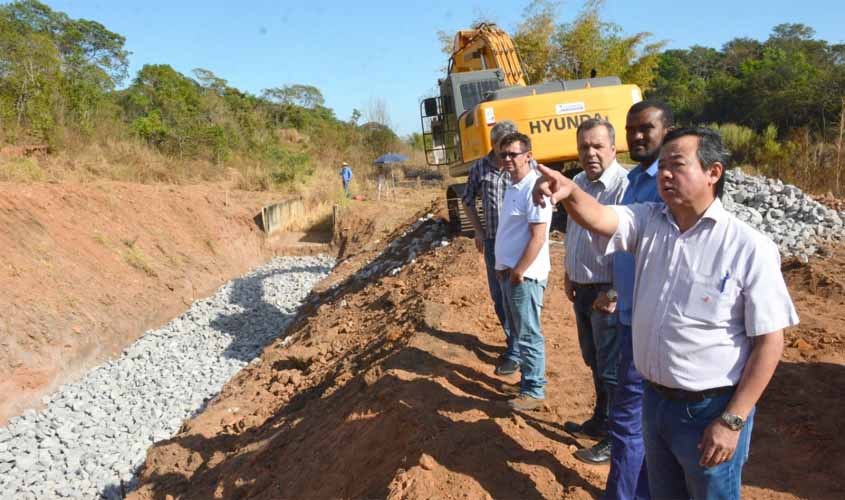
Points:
(485, 83)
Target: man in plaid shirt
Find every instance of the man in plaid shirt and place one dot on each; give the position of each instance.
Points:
(488, 180)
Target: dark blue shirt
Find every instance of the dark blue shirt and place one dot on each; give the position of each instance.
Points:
(642, 187)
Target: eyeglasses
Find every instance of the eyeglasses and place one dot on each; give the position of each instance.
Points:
(510, 155)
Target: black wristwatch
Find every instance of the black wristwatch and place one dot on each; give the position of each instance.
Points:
(734, 422)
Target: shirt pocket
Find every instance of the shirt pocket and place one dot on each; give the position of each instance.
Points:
(711, 298)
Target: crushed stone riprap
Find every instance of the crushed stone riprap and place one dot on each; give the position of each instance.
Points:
(792, 219)
(93, 435)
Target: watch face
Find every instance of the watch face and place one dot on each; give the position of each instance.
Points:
(733, 421)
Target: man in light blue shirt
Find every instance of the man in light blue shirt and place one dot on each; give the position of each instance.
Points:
(646, 125)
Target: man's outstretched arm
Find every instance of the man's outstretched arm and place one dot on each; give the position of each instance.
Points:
(583, 208)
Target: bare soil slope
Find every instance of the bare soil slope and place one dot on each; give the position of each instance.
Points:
(86, 269)
(388, 392)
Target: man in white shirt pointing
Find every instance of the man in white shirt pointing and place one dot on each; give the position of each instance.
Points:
(710, 306)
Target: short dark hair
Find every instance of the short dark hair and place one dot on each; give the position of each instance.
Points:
(666, 115)
(596, 122)
(516, 137)
(711, 150)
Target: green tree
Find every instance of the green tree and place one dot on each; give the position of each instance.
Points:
(590, 44)
(574, 50)
(306, 96)
(379, 138)
(30, 81)
(533, 40)
(173, 99)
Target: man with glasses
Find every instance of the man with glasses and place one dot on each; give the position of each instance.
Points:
(522, 266)
(487, 180)
(589, 275)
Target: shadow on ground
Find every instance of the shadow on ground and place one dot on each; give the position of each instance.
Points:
(798, 442)
(403, 403)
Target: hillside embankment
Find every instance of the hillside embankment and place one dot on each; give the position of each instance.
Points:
(86, 269)
(386, 390)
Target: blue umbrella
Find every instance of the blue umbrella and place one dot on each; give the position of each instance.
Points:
(389, 158)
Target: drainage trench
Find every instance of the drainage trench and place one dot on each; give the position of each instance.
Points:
(92, 435)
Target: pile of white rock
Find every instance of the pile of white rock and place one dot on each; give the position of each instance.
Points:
(792, 219)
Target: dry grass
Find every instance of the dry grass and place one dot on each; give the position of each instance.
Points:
(130, 160)
(136, 258)
(21, 170)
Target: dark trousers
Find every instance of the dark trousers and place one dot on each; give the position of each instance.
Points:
(628, 477)
(598, 339)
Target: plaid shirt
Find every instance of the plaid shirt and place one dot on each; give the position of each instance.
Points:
(486, 179)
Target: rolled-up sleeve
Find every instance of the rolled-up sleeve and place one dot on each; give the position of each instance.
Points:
(536, 213)
(632, 219)
(768, 306)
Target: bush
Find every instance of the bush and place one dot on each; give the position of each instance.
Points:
(738, 139)
(287, 167)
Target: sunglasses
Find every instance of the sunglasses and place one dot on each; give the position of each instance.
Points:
(510, 155)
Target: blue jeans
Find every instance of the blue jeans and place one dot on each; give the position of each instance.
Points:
(599, 344)
(672, 430)
(498, 298)
(628, 477)
(523, 305)
(346, 187)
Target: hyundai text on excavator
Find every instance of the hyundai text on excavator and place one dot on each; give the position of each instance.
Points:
(485, 83)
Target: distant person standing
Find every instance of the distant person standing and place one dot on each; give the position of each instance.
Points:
(346, 177)
(488, 181)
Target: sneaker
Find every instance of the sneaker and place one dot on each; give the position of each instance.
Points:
(524, 402)
(508, 367)
(597, 455)
(589, 429)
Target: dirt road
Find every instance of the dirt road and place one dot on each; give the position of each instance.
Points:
(389, 391)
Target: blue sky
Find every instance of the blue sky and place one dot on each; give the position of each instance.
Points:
(360, 52)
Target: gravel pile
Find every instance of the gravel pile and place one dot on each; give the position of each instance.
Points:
(93, 435)
(792, 219)
(425, 234)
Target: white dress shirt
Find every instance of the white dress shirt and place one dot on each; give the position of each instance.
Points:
(700, 296)
(582, 263)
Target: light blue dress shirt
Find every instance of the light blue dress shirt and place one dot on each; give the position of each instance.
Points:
(642, 187)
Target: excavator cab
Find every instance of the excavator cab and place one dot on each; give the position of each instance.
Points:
(460, 93)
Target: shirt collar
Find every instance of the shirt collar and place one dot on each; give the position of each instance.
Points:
(490, 162)
(640, 169)
(529, 177)
(652, 169)
(608, 177)
(715, 212)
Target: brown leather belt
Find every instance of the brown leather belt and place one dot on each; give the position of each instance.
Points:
(690, 396)
(588, 285)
